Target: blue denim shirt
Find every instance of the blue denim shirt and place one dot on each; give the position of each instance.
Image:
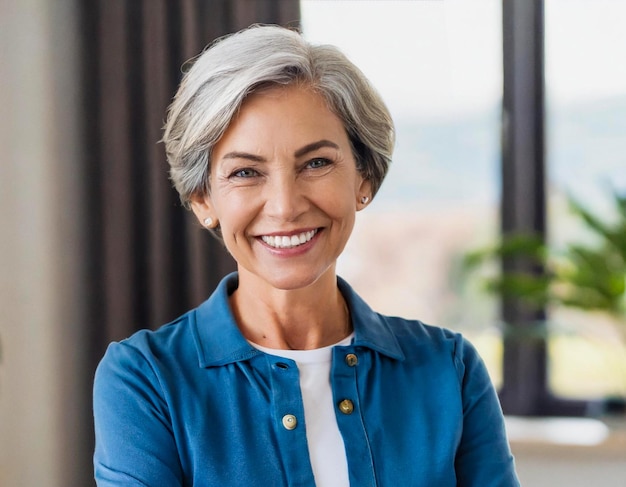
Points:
(195, 404)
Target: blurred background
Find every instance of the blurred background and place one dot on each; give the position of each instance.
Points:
(506, 113)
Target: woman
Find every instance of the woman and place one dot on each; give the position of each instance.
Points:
(284, 376)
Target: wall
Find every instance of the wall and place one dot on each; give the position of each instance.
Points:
(41, 406)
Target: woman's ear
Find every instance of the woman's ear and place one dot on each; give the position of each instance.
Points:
(364, 194)
(203, 209)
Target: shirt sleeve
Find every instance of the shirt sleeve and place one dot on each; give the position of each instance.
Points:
(483, 457)
(135, 444)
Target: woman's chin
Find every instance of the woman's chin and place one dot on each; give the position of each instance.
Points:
(286, 282)
(289, 279)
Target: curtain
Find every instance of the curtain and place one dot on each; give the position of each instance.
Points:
(149, 258)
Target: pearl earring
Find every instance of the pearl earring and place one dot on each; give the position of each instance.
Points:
(365, 199)
(208, 222)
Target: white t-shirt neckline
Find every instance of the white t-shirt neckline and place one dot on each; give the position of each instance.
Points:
(326, 447)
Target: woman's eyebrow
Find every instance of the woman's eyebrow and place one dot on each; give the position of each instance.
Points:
(314, 146)
(243, 155)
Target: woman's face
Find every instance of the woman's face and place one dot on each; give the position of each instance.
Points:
(284, 188)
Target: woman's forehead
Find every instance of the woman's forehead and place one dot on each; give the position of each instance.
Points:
(291, 115)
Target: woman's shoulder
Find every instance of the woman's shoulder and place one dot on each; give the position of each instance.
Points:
(418, 329)
(165, 334)
(150, 345)
(417, 338)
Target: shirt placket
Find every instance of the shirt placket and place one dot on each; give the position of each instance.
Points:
(347, 363)
(288, 416)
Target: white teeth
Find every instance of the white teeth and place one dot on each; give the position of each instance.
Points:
(285, 242)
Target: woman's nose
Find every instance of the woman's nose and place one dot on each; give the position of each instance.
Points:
(285, 199)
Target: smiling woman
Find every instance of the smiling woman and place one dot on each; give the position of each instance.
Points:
(284, 375)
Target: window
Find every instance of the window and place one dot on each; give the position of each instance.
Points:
(586, 158)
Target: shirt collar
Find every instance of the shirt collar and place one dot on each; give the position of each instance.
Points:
(219, 341)
(371, 329)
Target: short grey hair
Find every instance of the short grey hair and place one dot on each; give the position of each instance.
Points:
(223, 75)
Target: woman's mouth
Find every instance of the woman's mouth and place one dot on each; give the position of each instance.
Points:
(288, 241)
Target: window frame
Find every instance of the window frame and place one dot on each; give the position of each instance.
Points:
(525, 389)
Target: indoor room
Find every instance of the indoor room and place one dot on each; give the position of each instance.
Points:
(502, 216)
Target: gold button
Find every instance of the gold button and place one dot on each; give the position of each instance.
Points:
(290, 421)
(352, 359)
(346, 406)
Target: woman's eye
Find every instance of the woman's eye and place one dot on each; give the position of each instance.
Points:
(245, 173)
(317, 163)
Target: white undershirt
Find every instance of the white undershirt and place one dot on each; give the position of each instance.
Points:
(326, 447)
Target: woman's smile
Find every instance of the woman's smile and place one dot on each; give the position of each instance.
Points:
(285, 241)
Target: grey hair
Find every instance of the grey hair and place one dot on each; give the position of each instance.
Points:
(223, 75)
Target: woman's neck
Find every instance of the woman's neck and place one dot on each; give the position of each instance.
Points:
(302, 319)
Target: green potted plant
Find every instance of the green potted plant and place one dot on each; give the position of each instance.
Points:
(588, 274)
